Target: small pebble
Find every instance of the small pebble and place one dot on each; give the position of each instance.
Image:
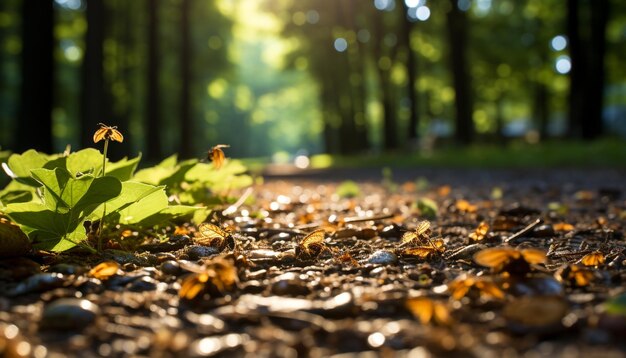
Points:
(171, 267)
(197, 251)
(289, 284)
(69, 313)
(382, 257)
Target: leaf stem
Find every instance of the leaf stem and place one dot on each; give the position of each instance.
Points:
(104, 205)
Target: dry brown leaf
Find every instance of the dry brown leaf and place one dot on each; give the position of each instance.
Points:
(428, 311)
(104, 270)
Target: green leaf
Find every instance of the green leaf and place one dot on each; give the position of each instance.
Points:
(21, 165)
(348, 189)
(86, 161)
(57, 224)
(168, 162)
(168, 214)
(47, 229)
(54, 183)
(168, 172)
(427, 207)
(16, 196)
(616, 305)
(123, 169)
(136, 202)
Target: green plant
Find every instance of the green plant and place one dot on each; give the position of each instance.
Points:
(52, 197)
(348, 189)
(105, 133)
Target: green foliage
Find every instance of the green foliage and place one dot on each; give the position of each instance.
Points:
(616, 305)
(348, 189)
(427, 208)
(56, 221)
(53, 196)
(192, 182)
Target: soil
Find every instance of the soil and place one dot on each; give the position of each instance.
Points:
(272, 284)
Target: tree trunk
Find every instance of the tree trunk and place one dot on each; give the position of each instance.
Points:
(540, 107)
(592, 126)
(93, 109)
(153, 120)
(390, 135)
(411, 71)
(458, 28)
(34, 129)
(578, 104)
(186, 125)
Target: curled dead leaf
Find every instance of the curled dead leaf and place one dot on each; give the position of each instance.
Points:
(104, 270)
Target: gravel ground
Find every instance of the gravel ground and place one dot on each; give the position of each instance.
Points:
(273, 284)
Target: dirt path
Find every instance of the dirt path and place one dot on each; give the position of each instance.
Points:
(362, 284)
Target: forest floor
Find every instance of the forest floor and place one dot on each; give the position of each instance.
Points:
(362, 285)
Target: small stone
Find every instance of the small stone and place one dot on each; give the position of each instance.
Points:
(69, 313)
(171, 267)
(382, 257)
(289, 284)
(145, 283)
(543, 231)
(197, 251)
(68, 269)
(13, 241)
(38, 283)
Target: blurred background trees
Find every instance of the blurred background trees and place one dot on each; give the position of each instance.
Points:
(336, 76)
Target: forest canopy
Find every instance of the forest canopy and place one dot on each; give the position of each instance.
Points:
(309, 76)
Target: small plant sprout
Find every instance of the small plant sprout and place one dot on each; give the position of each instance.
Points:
(105, 133)
(216, 155)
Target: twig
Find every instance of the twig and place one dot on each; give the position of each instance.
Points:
(524, 230)
(233, 208)
(356, 219)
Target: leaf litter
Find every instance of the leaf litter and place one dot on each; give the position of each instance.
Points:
(304, 271)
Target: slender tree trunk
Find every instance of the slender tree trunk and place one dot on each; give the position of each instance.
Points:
(411, 71)
(458, 28)
(541, 110)
(120, 107)
(153, 120)
(93, 109)
(578, 104)
(592, 126)
(390, 130)
(186, 125)
(34, 129)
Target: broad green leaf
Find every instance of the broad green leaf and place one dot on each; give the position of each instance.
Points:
(178, 176)
(153, 175)
(16, 196)
(136, 202)
(55, 183)
(168, 214)
(123, 169)
(168, 162)
(163, 174)
(85, 161)
(47, 229)
(57, 224)
(101, 190)
(21, 164)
